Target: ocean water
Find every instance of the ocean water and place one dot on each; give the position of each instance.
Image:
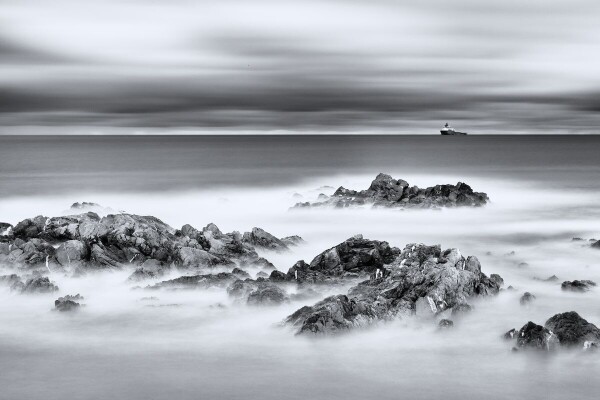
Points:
(543, 191)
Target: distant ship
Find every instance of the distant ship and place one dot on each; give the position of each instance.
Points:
(446, 130)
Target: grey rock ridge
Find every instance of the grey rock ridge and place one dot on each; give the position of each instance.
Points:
(420, 279)
(567, 329)
(386, 191)
(85, 242)
(577, 286)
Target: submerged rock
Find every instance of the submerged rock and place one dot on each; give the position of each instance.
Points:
(526, 298)
(68, 303)
(577, 286)
(257, 292)
(572, 330)
(445, 324)
(420, 280)
(533, 336)
(552, 278)
(39, 285)
(385, 191)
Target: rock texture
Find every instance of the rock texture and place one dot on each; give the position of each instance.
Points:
(86, 242)
(421, 280)
(386, 191)
(577, 286)
(567, 329)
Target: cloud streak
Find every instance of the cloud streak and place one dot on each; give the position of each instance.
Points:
(332, 66)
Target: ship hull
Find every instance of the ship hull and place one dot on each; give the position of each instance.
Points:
(452, 133)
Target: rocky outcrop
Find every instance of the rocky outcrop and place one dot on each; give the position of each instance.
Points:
(386, 191)
(421, 280)
(68, 303)
(354, 258)
(565, 330)
(526, 299)
(577, 286)
(205, 281)
(86, 242)
(572, 330)
(262, 239)
(39, 285)
(257, 292)
(533, 336)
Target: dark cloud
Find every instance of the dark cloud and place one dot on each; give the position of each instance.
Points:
(368, 66)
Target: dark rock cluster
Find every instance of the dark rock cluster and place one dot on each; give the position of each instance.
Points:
(386, 191)
(577, 286)
(421, 280)
(567, 329)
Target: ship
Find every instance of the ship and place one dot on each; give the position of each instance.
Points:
(447, 130)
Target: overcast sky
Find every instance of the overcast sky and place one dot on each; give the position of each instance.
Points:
(242, 65)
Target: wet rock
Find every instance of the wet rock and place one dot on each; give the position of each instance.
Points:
(511, 334)
(72, 253)
(260, 238)
(68, 303)
(577, 286)
(150, 269)
(526, 299)
(572, 329)
(461, 309)
(206, 281)
(257, 292)
(240, 273)
(39, 285)
(552, 278)
(30, 227)
(420, 280)
(533, 336)
(445, 324)
(385, 191)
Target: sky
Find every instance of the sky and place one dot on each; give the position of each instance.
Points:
(375, 66)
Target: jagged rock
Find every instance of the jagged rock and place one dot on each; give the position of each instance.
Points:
(461, 309)
(292, 241)
(30, 227)
(577, 286)
(6, 230)
(420, 277)
(39, 285)
(260, 238)
(445, 324)
(526, 298)
(197, 281)
(150, 269)
(72, 253)
(572, 330)
(552, 278)
(68, 303)
(385, 191)
(277, 276)
(240, 273)
(511, 334)
(537, 337)
(352, 258)
(262, 274)
(257, 292)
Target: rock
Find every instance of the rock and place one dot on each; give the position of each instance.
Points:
(445, 324)
(240, 273)
(385, 191)
(30, 227)
(461, 309)
(260, 238)
(72, 253)
(6, 230)
(511, 334)
(261, 263)
(596, 244)
(277, 276)
(552, 278)
(572, 330)
(292, 241)
(67, 303)
(257, 292)
(206, 281)
(353, 256)
(420, 280)
(533, 336)
(577, 286)
(262, 274)
(39, 285)
(150, 269)
(526, 298)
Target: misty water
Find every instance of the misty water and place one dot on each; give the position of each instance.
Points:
(201, 344)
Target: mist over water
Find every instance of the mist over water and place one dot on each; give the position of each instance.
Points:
(201, 344)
